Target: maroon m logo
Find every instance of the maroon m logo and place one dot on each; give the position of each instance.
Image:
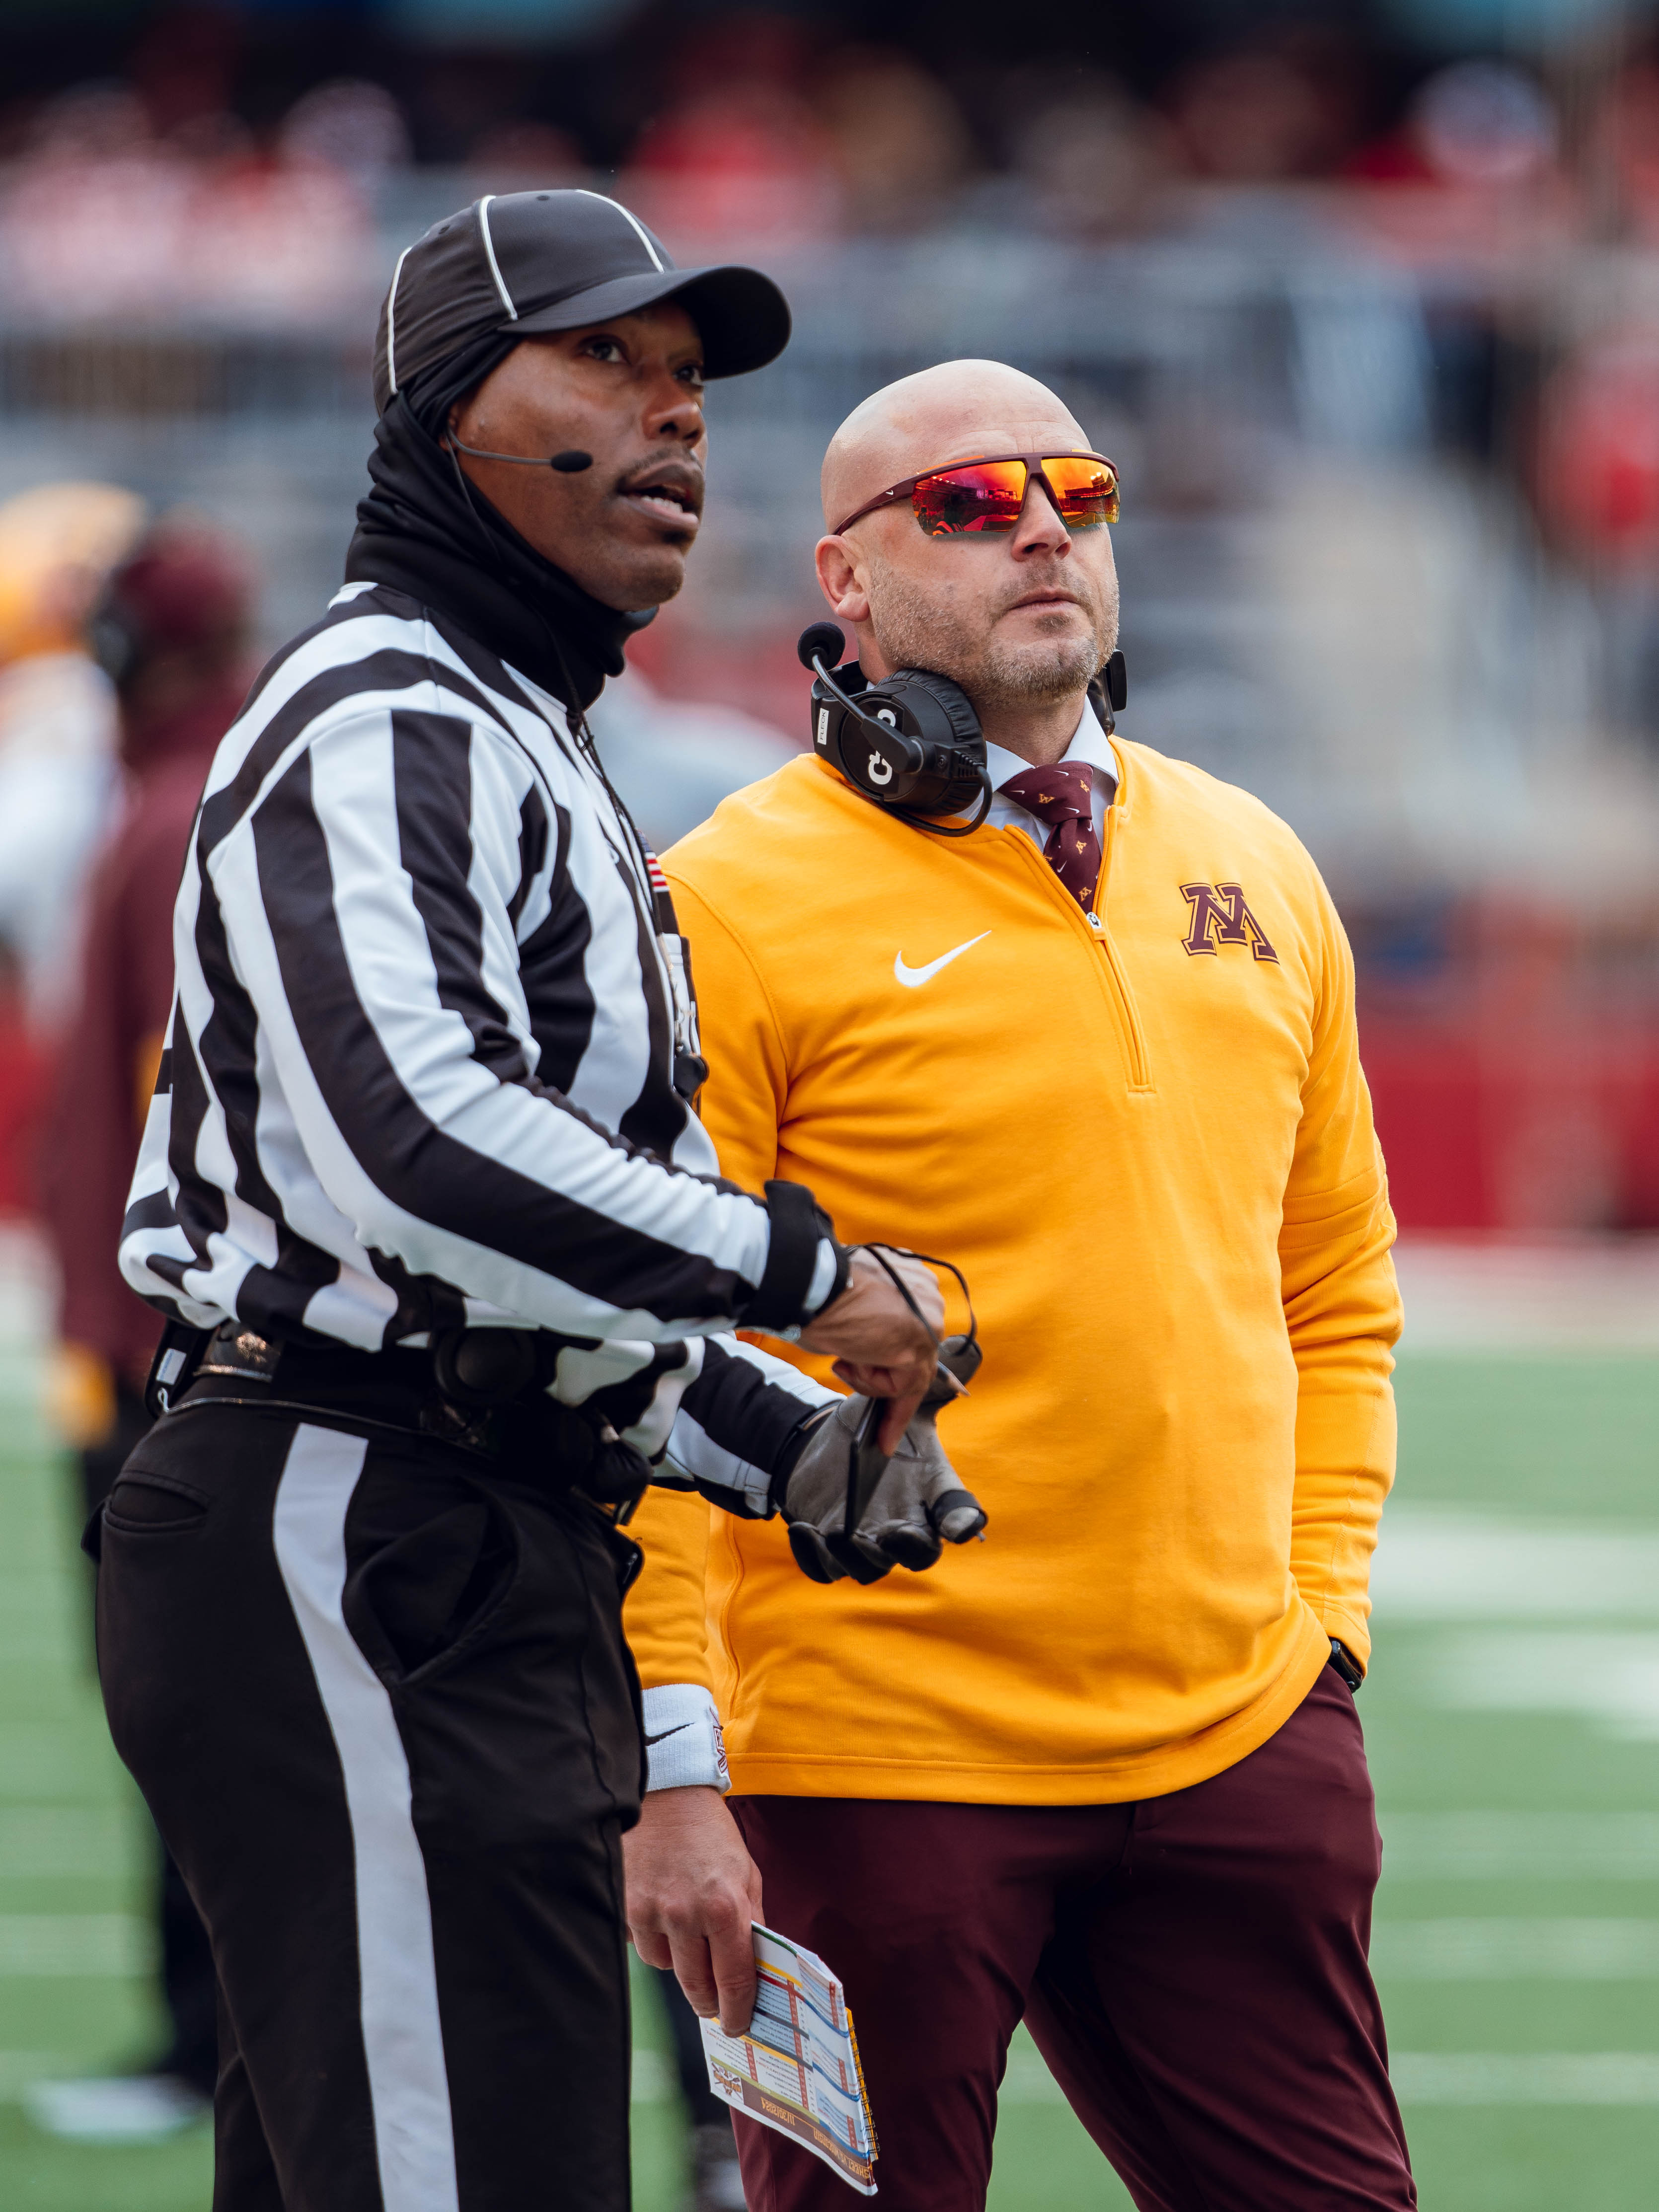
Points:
(1221, 917)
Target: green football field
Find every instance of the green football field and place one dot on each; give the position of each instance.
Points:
(1513, 1718)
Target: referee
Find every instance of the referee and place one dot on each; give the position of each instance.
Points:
(445, 1257)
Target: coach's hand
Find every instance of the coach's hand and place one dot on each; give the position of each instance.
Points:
(693, 1896)
(880, 1348)
(917, 1506)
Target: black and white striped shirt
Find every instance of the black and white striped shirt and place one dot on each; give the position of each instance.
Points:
(420, 1070)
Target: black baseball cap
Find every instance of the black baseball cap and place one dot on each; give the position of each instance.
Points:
(520, 263)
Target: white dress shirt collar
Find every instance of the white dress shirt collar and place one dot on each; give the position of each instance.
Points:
(1089, 743)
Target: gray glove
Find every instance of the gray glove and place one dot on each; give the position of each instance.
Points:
(853, 1511)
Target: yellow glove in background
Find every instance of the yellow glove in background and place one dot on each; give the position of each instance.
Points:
(79, 1397)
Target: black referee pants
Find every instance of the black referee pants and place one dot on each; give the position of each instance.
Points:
(377, 1696)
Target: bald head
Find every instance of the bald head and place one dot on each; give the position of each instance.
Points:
(950, 413)
(1022, 618)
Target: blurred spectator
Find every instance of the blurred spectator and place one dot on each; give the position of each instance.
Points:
(102, 217)
(1470, 181)
(1484, 123)
(748, 162)
(740, 155)
(349, 125)
(276, 240)
(1596, 490)
(1598, 459)
(458, 97)
(1096, 164)
(900, 140)
(1263, 115)
(1622, 152)
(95, 217)
(524, 157)
(57, 544)
(172, 630)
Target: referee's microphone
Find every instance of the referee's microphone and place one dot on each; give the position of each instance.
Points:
(570, 462)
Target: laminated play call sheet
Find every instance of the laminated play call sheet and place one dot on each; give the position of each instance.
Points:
(797, 2069)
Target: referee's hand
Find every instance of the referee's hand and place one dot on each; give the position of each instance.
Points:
(694, 1894)
(880, 1348)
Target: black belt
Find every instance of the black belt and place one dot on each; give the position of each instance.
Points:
(474, 1389)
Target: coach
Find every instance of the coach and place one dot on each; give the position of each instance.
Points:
(1104, 1049)
(443, 1255)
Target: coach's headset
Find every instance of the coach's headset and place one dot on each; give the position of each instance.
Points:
(911, 742)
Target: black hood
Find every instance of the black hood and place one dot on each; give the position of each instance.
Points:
(419, 531)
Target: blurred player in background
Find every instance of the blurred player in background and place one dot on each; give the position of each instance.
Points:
(1101, 1048)
(58, 780)
(57, 719)
(172, 631)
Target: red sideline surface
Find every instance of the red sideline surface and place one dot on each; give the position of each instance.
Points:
(1517, 1132)
(24, 1071)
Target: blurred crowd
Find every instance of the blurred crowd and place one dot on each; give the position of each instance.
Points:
(155, 191)
(1403, 581)
(768, 123)
(1523, 206)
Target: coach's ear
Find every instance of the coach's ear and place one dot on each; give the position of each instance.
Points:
(842, 579)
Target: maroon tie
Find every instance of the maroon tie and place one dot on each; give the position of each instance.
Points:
(1060, 796)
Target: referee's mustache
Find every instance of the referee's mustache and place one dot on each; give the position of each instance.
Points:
(671, 490)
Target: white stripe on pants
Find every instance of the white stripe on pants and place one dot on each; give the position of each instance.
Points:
(403, 2038)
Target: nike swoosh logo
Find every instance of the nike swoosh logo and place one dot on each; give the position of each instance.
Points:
(668, 1732)
(914, 978)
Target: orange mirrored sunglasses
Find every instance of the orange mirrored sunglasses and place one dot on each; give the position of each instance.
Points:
(989, 493)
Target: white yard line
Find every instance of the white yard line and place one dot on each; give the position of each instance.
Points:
(1520, 1846)
(57, 1840)
(1478, 1294)
(1455, 1565)
(1496, 1949)
(1450, 2077)
(1603, 1676)
(58, 1945)
(1437, 1563)
(1530, 2078)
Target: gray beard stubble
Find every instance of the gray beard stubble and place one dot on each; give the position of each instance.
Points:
(914, 634)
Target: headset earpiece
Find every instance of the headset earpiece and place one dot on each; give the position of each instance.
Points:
(1109, 691)
(911, 743)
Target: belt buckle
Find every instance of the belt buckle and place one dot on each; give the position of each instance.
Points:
(234, 1349)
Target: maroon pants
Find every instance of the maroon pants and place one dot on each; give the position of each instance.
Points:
(1192, 1968)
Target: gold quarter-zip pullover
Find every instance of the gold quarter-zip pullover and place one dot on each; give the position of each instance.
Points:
(1143, 1133)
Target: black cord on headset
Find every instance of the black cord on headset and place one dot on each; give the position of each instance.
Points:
(942, 829)
(878, 1253)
